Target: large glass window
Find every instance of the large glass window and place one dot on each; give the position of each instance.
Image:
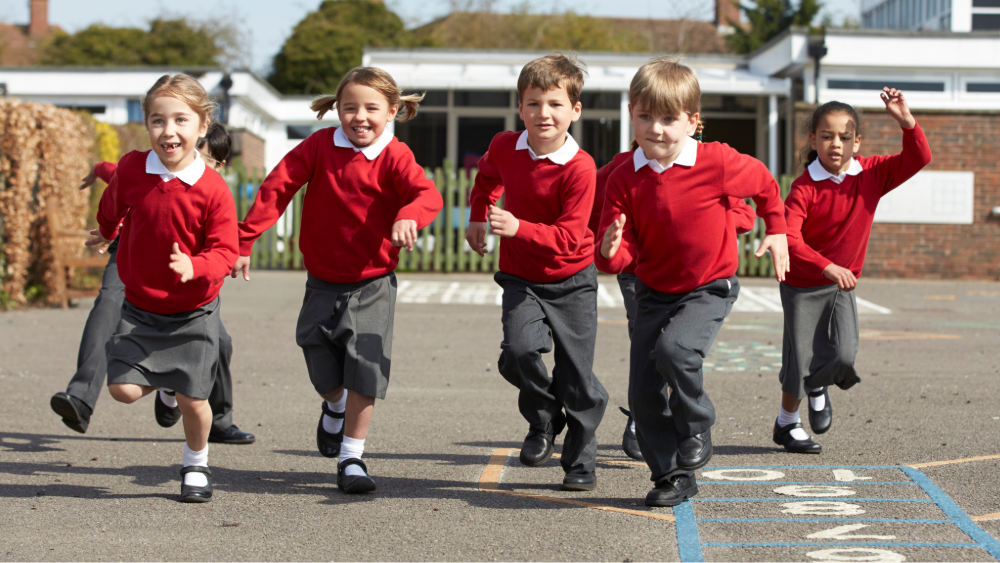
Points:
(601, 100)
(474, 137)
(482, 98)
(427, 136)
(984, 22)
(741, 134)
(134, 109)
(601, 139)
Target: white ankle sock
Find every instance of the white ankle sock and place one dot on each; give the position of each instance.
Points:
(785, 418)
(333, 425)
(352, 448)
(193, 458)
(169, 400)
(817, 403)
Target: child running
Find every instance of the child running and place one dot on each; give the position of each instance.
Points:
(669, 211)
(830, 212)
(77, 404)
(177, 225)
(367, 197)
(547, 267)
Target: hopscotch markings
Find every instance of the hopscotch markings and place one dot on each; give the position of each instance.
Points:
(847, 476)
(872, 306)
(844, 533)
(767, 304)
(871, 555)
(605, 299)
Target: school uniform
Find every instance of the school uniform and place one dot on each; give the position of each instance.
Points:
(829, 222)
(549, 287)
(680, 232)
(355, 195)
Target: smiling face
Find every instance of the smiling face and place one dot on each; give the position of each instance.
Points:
(836, 141)
(174, 129)
(363, 112)
(547, 116)
(662, 137)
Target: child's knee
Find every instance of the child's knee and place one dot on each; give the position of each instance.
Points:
(190, 405)
(672, 354)
(125, 392)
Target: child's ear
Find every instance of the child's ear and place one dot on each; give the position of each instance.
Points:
(577, 111)
(393, 110)
(812, 141)
(630, 113)
(692, 127)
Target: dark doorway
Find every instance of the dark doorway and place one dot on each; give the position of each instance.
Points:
(601, 139)
(474, 137)
(427, 136)
(741, 134)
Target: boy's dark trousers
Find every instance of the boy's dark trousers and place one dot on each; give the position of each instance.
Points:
(673, 334)
(92, 361)
(560, 316)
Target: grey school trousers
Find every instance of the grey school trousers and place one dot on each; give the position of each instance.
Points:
(626, 282)
(558, 316)
(92, 360)
(673, 334)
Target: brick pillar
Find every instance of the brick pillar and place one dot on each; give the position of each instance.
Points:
(726, 11)
(39, 24)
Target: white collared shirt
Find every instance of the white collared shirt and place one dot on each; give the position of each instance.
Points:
(371, 152)
(818, 173)
(563, 155)
(687, 157)
(189, 175)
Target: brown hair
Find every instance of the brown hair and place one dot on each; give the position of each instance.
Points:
(553, 71)
(666, 87)
(378, 80)
(184, 88)
(807, 154)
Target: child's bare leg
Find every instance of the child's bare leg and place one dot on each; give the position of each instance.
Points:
(359, 415)
(129, 393)
(197, 419)
(790, 402)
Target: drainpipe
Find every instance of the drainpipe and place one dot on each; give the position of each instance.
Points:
(226, 83)
(817, 50)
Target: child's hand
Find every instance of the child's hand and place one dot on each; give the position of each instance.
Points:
(613, 238)
(404, 233)
(502, 222)
(98, 240)
(778, 245)
(476, 237)
(89, 180)
(895, 104)
(845, 278)
(242, 263)
(180, 263)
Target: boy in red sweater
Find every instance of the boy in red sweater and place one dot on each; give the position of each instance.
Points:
(546, 267)
(670, 211)
(830, 212)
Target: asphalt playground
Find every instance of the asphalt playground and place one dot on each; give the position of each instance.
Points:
(910, 469)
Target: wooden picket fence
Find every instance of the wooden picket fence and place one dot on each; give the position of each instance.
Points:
(441, 246)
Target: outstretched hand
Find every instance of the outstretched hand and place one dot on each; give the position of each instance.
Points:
(99, 241)
(89, 179)
(242, 264)
(404, 233)
(896, 105)
(613, 238)
(778, 245)
(180, 263)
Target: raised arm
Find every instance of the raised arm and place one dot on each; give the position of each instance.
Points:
(616, 204)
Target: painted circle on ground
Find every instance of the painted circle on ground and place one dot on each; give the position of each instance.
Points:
(822, 508)
(856, 554)
(814, 491)
(726, 475)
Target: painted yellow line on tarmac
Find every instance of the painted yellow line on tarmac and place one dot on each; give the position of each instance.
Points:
(903, 335)
(994, 516)
(951, 461)
(490, 479)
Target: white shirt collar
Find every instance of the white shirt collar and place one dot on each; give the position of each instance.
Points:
(563, 155)
(688, 156)
(818, 173)
(189, 175)
(371, 152)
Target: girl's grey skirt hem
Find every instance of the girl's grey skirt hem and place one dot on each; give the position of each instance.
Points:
(177, 351)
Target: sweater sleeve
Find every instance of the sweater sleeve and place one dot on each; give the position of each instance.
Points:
(421, 199)
(801, 254)
(488, 187)
(105, 171)
(616, 203)
(743, 215)
(568, 232)
(892, 171)
(112, 209)
(277, 190)
(745, 176)
(221, 248)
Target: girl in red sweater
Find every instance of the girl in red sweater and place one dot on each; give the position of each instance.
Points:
(829, 213)
(367, 197)
(176, 225)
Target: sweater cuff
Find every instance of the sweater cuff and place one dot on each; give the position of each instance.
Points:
(246, 247)
(477, 213)
(525, 231)
(108, 233)
(775, 225)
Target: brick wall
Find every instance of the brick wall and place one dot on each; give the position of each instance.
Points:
(250, 149)
(959, 142)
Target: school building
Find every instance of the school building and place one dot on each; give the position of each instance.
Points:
(944, 223)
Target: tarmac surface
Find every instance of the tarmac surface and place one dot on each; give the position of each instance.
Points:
(442, 446)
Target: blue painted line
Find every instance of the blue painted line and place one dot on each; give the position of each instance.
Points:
(841, 544)
(836, 483)
(885, 520)
(688, 542)
(957, 515)
(801, 499)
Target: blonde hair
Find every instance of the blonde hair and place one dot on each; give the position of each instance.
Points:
(378, 80)
(184, 88)
(665, 87)
(553, 71)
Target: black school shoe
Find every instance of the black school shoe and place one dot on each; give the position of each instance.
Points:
(165, 416)
(73, 411)
(191, 493)
(821, 420)
(579, 482)
(231, 435)
(783, 437)
(329, 444)
(539, 443)
(694, 452)
(354, 484)
(672, 491)
(630, 445)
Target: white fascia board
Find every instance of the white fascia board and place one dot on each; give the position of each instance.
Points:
(790, 52)
(912, 52)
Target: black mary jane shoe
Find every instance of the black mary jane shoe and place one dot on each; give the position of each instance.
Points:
(329, 444)
(75, 414)
(354, 484)
(630, 445)
(231, 435)
(821, 420)
(190, 493)
(165, 416)
(672, 491)
(540, 442)
(579, 482)
(783, 437)
(694, 452)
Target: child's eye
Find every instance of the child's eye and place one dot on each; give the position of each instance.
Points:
(644, 116)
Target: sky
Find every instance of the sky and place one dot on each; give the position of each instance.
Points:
(268, 23)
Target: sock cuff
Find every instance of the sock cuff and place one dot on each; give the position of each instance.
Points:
(351, 447)
(340, 405)
(199, 458)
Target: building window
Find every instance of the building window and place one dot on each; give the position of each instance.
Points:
(601, 139)
(474, 137)
(982, 22)
(879, 84)
(983, 87)
(986, 3)
(427, 136)
(298, 132)
(134, 109)
(601, 100)
(436, 98)
(92, 110)
(483, 99)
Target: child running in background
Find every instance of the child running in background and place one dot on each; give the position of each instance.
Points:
(367, 197)
(77, 404)
(547, 267)
(177, 224)
(669, 210)
(830, 212)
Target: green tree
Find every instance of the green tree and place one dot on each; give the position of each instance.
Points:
(167, 42)
(768, 18)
